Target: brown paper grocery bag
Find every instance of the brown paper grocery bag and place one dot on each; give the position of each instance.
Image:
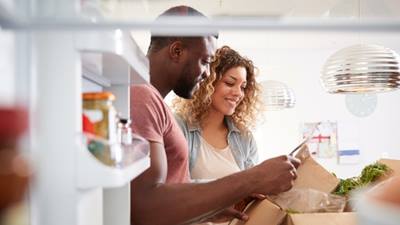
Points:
(322, 219)
(310, 174)
(262, 212)
(393, 164)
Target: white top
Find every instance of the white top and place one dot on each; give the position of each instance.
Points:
(213, 163)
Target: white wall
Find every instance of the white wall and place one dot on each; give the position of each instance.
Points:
(297, 59)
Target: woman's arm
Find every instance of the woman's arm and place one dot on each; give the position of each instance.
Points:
(252, 156)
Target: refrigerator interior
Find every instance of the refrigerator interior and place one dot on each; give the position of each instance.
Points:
(48, 61)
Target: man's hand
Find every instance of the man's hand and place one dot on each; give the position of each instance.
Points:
(276, 175)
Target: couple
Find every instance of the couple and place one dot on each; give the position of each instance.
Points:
(215, 115)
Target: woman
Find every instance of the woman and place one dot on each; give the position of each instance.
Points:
(217, 120)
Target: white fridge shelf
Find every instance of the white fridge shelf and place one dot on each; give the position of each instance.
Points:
(7, 16)
(108, 56)
(92, 172)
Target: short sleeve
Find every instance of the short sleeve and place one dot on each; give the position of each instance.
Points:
(147, 113)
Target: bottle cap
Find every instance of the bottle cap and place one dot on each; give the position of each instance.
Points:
(124, 121)
(98, 96)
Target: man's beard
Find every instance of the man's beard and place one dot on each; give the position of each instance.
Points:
(185, 91)
(185, 87)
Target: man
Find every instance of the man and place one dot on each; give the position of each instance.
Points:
(163, 194)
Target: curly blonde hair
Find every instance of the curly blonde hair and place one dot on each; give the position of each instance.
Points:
(196, 109)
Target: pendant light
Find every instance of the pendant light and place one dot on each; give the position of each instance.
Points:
(362, 69)
(277, 95)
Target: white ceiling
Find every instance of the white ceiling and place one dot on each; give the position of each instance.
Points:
(143, 9)
(279, 53)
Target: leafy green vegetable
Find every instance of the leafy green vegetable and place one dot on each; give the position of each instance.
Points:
(372, 172)
(291, 211)
(369, 174)
(347, 185)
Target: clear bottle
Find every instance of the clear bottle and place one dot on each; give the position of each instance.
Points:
(126, 131)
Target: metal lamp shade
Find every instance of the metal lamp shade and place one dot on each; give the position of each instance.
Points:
(362, 69)
(277, 95)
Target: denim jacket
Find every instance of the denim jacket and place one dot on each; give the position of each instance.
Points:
(243, 147)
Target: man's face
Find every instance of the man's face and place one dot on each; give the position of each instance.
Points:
(196, 67)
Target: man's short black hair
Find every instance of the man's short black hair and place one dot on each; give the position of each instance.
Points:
(158, 42)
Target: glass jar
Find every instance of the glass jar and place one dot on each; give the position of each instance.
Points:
(98, 108)
(99, 119)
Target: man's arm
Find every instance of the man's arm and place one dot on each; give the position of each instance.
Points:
(154, 202)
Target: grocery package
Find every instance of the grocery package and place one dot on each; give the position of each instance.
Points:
(262, 212)
(318, 196)
(307, 200)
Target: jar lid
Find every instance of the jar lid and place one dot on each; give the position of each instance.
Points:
(13, 122)
(98, 96)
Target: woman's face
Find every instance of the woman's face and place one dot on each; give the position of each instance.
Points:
(229, 91)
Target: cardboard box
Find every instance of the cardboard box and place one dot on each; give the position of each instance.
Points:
(393, 164)
(262, 212)
(310, 175)
(349, 218)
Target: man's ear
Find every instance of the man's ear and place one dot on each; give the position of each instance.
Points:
(176, 51)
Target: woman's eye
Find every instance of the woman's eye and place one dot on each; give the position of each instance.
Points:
(229, 84)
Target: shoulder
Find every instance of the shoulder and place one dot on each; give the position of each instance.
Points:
(145, 94)
(181, 122)
(179, 119)
(244, 137)
(144, 90)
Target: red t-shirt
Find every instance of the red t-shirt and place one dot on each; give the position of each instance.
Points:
(153, 120)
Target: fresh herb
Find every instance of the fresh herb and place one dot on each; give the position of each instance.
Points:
(372, 172)
(369, 174)
(291, 211)
(347, 185)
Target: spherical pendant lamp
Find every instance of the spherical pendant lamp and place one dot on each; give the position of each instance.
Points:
(277, 95)
(362, 69)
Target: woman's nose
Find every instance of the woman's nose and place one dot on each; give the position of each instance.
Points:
(237, 90)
